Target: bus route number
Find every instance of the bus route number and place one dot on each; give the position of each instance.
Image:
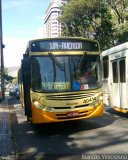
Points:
(66, 46)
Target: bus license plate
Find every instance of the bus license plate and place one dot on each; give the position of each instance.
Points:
(72, 114)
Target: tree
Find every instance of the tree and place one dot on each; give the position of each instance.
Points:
(6, 76)
(119, 11)
(88, 18)
(122, 33)
(75, 18)
(104, 30)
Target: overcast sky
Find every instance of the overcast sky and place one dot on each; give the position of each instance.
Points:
(22, 20)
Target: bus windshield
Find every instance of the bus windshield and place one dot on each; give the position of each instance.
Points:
(55, 73)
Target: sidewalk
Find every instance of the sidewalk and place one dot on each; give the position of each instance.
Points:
(6, 137)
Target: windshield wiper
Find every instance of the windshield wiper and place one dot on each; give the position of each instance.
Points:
(56, 61)
(81, 61)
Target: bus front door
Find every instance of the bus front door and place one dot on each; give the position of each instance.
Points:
(118, 95)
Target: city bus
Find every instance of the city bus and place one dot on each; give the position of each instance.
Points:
(115, 77)
(60, 80)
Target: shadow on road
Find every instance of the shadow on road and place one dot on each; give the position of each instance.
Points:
(58, 141)
(113, 112)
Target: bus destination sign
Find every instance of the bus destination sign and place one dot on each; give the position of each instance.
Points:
(66, 45)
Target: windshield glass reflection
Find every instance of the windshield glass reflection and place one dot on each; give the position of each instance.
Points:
(65, 73)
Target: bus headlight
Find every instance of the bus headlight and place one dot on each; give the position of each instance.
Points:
(36, 103)
(41, 106)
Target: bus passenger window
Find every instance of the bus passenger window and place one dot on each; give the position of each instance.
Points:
(115, 72)
(105, 67)
(122, 71)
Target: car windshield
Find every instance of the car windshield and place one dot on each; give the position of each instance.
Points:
(65, 73)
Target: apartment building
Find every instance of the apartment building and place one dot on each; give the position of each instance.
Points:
(52, 26)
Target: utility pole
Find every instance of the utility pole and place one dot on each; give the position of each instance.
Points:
(1, 56)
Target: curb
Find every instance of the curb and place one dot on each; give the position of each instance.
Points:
(7, 151)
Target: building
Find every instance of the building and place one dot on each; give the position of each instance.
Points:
(52, 26)
(44, 32)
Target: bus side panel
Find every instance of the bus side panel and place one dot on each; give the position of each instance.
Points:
(118, 81)
(105, 79)
(115, 86)
(105, 88)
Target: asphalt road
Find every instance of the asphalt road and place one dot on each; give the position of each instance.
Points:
(75, 140)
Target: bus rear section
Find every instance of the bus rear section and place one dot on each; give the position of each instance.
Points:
(61, 80)
(115, 77)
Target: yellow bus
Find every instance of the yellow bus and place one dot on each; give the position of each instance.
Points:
(60, 80)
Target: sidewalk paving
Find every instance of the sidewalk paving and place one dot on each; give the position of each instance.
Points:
(6, 138)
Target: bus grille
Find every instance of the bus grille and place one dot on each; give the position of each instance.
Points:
(68, 107)
(64, 111)
(70, 96)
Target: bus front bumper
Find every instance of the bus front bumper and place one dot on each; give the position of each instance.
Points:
(40, 116)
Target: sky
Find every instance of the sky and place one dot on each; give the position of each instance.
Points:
(22, 20)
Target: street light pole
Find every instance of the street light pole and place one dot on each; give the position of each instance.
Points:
(1, 56)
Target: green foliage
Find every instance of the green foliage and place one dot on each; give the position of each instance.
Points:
(119, 12)
(104, 20)
(122, 33)
(87, 18)
(6, 76)
(75, 18)
(105, 31)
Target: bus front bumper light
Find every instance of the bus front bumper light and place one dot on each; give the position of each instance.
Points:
(36, 103)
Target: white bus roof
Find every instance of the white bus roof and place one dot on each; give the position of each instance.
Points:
(115, 49)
